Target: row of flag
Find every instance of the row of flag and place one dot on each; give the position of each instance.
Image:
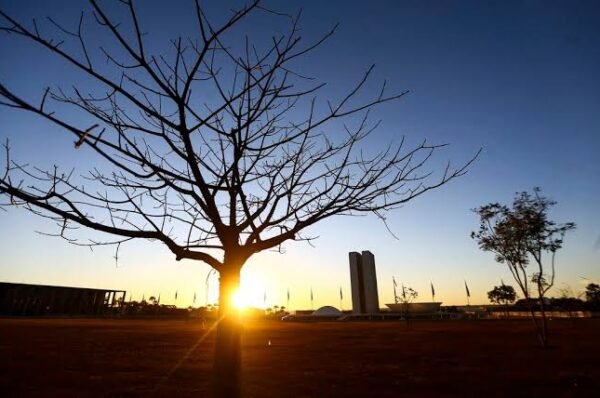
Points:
(468, 292)
(158, 299)
(432, 290)
(264, 296)
(404, 290)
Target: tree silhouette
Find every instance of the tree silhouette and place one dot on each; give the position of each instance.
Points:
(217, 150)
(407, 296)
(502, 295)
(569, 302)
(522, 235)
(592, 295)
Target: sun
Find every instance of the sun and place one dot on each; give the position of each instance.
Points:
(249, 295)
(239, 300)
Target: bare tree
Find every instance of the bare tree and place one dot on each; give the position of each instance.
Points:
(216, 178)
(406, 297)
(568, 302)
(522, 235)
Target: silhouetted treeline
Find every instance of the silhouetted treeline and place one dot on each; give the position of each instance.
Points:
(554, 304)
(144, 309)
(210, 312)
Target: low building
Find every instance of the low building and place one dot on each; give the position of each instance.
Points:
(20, 299)
(327, 312)
(416, 309)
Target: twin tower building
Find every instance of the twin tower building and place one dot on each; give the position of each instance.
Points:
(363, 279)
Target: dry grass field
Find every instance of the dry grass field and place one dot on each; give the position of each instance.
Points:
(129, 358)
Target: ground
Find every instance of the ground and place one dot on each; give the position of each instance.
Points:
(167, 358)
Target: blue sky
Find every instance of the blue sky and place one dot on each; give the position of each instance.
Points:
(518, 79)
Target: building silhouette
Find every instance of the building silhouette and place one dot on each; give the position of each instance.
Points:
(363, 279)
(20, 299)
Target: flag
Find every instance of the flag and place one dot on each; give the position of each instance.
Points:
(432, 290)
(288, 294)
(311, 294)
(175, 294)
(467, 289)
(341, 294)
(194, 302)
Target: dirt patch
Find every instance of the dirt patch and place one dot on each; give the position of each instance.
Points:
(492, 358)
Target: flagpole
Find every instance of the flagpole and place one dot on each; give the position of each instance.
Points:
(265, 299)
(468, 294)
(210, 272)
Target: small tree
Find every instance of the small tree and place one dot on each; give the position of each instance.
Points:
(218, 149)
(569, 302)
(407, 296)
(502, 295)
(520, 236)
(592, 295)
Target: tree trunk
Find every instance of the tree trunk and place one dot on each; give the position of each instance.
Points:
(544, 323)
(227, 361)
(538, 329)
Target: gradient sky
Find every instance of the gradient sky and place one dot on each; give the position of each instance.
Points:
(518, 79)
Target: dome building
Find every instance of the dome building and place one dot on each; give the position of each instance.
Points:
(327, 312)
